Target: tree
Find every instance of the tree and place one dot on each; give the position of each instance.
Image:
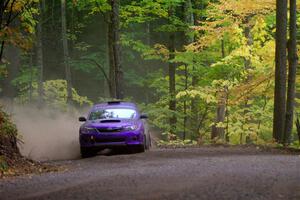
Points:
(12, 54)
(189, 19)
(10, 10)
(172, 74)
(40, 55)
(280, 71)
(226, 17)
(66, 51)
(199, 67)
(114, 51)
(218, 129)
(293, 62)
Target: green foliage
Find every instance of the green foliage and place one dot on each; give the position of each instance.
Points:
(26, 77)
(24, 11)
(7, 128)
(217, 64)
(177, 143)
(55, 95)
(93, 6)
(251, 123)
(8, 139)
(149, 10)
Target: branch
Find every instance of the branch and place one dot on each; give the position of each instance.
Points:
(102, 13)
(99, 67)
(25, 7)
(1, 50)
(10, 13)
(10, 19)
(4, 7)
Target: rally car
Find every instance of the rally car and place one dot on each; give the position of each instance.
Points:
(112, 125)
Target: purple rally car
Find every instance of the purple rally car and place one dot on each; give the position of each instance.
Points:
(113, 124)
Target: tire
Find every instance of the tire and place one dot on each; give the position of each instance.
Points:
(147, 142)
(87, 152)
(140, 148)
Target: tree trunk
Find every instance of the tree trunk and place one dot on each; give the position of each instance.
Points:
(248, 36)
(298, 128)
(2, 22)
(30, 92)
(12, 54)
(195, 115)
(247, 65)
(189, 20)
(293, 61)
(114, 50)
(297, 92)
(280, 70)
(219, 132)
(112, 86)
(66, 52)
(172, 81)
(148, 31)
(40, 57)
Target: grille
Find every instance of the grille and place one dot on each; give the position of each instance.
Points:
(104, 140)
(109, 130)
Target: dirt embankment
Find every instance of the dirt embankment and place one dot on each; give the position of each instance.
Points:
(12, 163)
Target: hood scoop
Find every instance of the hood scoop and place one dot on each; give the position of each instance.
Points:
(110, 121)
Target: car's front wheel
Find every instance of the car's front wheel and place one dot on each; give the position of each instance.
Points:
(140, 149)
(87, 152)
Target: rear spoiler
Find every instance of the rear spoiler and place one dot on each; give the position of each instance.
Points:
(114, 102)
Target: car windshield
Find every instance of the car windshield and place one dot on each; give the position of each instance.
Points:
(112, 113)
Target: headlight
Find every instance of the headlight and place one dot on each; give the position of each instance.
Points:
(130, 128)
(87, 130)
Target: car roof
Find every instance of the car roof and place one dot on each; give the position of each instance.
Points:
(114, 104)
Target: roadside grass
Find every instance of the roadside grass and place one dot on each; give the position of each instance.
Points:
(294, 148)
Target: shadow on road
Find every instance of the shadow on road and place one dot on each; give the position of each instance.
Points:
(115, 152)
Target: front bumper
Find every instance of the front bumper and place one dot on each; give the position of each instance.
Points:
(111, 139)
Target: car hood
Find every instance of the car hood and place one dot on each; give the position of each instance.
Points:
(111, 123)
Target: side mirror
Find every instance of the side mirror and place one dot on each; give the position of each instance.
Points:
(144, 116)
(82, 119)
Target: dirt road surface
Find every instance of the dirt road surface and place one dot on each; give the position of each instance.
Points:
(200, 173)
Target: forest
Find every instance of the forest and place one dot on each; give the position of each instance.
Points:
(205, 71)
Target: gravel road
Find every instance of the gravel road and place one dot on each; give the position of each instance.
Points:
(200, 173)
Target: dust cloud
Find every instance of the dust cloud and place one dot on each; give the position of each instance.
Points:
(47, 134)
